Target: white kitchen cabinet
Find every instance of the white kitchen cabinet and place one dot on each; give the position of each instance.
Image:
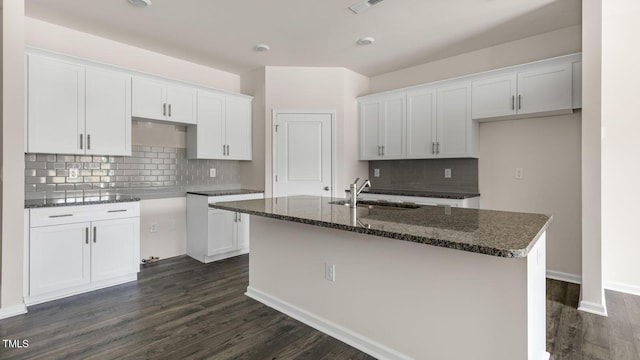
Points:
(215, 234)
(55, 106)
(456, 133)
(158, 100)
(223, 130)
(108, 112)
(59, 258)
(75, 249)
(421, 123)
(75, 109)
(382, 127)
(536, 89)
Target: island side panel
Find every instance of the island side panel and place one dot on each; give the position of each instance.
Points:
(395, 299)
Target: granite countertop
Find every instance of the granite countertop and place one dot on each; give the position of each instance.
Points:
(497, 233)
(225, 192)
(423, 193)
(73, 201)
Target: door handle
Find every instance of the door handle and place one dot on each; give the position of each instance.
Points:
(81, 141)
(224, 150)
(86, 235)
(433, 147)
(88, 141)
(519, 102)
(164, 109)
(228, 152)
(169, 110)
(326, 188)
(95, 235)
(382, 150)
(513, 102)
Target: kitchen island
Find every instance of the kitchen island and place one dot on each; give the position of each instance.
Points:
(403, 281)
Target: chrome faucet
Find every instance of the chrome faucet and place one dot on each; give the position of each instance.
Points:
(355, 191)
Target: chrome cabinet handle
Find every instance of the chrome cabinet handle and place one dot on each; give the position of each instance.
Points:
(239, 217)
(382, 150)
(519, 102)
(227, 149)
(88, 141)
(438, 148)
(433, 147)
(169, 110)
(86, 235)
(224, 150)
(95, 235)
(326, 188)
(81, 141)
(164, 109)
(58, 216)
(513, 102)
(114, 211)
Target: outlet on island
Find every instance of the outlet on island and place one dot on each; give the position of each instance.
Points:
(212, 172)
(447, 173)
(330, 272)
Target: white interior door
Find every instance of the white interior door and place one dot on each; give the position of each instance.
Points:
(302, 154)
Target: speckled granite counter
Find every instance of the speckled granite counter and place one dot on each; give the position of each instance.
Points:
(73, 201)
(225, 192)
(431, 194)
(497, 233)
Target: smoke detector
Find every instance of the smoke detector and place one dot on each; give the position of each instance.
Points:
(140, 3)
(363, 5)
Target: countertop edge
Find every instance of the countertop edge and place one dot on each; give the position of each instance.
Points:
(80, 203)
(485, 250)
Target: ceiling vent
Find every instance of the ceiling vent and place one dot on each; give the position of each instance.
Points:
(363, 5)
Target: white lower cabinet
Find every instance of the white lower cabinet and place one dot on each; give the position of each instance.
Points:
(74, 249)
(214, 234)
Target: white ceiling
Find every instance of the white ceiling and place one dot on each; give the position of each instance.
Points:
(222, 33)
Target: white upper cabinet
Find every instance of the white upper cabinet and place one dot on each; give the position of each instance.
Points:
(223, 130)
(157, 100)
(456, 132)
(55, 106)
(536, 89)
(382, 127)
(421, 123)
(75, 109)
(108, 112)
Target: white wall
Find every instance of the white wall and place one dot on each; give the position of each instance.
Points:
(592, 293)
(170, 239)
(67, 41)
(539, 145)
(313, 89)
(252, 172)
(12, 154)
(620, 145)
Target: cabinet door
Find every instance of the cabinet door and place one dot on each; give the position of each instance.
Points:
(238, 128)
(242, 233)
(421, 123)
(494, 97)
(55, 106)
(221, 231)
(108, 112)
(210, 128)
(181, 104)
(393, 127)
(454, 121)
(148, 99)
(59, 257)
(545, 89)
(370, 130)
(113, 248)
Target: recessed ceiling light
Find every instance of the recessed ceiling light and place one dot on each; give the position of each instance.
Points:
(140, 3)
(367, 40)
(363, 5)
(262, 47)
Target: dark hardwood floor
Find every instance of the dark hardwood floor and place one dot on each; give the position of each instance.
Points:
(182, 309)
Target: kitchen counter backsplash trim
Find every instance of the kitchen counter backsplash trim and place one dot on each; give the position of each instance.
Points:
(150, 170)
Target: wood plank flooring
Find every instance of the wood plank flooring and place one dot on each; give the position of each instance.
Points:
(182, 309)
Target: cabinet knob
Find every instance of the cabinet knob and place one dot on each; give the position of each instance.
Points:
(326, 188)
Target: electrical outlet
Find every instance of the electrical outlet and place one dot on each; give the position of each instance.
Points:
(73, 173)
(153, 228)
(212, 172)
(519, 173)
(447, 173)
(376, 172)
(330, 272)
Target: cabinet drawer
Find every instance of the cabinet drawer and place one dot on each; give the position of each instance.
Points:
(82, 213)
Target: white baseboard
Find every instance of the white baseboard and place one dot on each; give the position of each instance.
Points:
(593, 308)
(349, 337)
(9, 311)
(624, 288)
(566, 277)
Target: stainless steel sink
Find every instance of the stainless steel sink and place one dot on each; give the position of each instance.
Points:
(378, 204)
